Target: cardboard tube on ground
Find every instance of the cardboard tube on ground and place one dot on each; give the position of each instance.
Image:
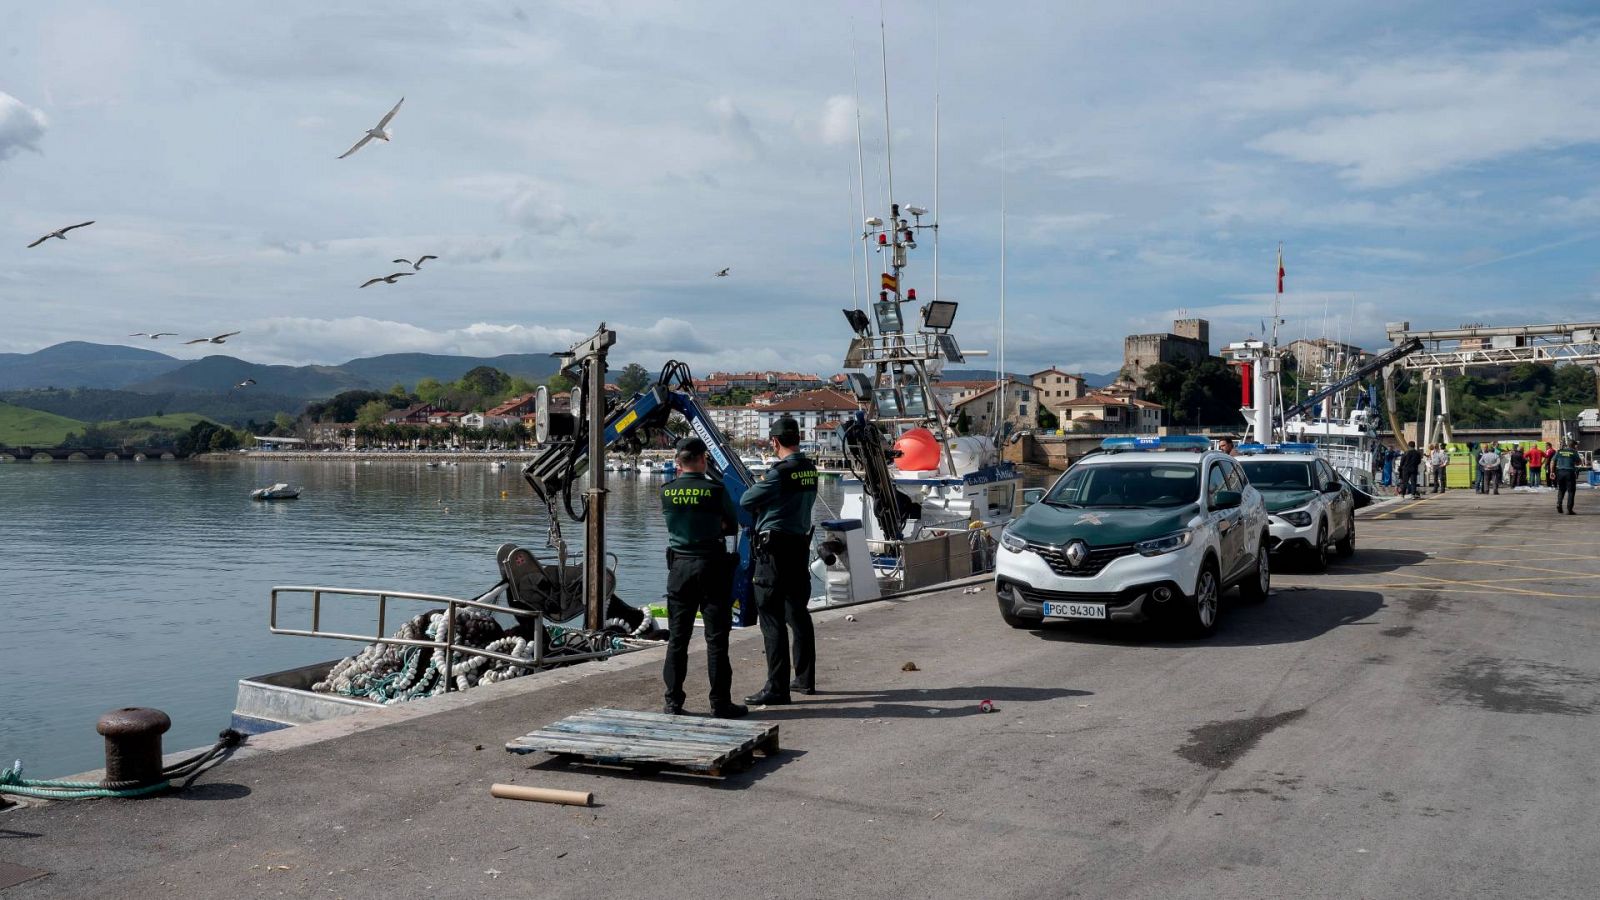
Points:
(541, 795)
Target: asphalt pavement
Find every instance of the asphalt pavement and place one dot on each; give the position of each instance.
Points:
(1417, 722)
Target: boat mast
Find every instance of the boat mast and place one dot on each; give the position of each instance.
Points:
(861, 166)
(1000, 376)
(936, 295)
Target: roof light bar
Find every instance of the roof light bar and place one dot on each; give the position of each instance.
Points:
(1191, 443)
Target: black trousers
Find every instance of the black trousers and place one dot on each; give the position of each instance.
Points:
(1566, 486)
(782, 584)
(698, 585)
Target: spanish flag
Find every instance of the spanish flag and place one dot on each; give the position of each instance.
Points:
(1280, 270)
(891, 283)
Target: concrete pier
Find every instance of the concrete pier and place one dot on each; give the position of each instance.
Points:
(1417, 722)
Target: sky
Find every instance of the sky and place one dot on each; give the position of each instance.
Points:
(578, 162)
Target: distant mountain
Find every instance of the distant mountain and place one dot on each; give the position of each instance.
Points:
(100, 405)
(219, 374)
(381, 372)
(378, 373)
(82, 364)
(1099, 379)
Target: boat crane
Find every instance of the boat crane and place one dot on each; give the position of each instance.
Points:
(1482, 345)
(596, 425)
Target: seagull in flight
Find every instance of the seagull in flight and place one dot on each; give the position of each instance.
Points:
(219, 339)
(60, 233)
(381, 131)
(723, 273)
(245, 383)
(386, 279)
(415, 266)
(154, 336)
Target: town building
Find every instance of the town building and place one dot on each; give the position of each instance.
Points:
(1055, 387)
(726, 382)
(478, 421)
(1189, 342)
(515, 408)
(415, 414)
(817, 411)
(1310, 356)
(1104, 413)
(983, 409)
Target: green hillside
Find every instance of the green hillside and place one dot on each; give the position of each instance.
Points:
(20, 426)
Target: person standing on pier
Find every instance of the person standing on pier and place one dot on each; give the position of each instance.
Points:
(1489, 466)
(1410, 462)
(1519, 467)
(1440, 458)
(1535, 464)
(781, 505)
(1565, 463)
(699, 577)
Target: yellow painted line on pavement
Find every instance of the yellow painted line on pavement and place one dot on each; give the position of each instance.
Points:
(1400, 510)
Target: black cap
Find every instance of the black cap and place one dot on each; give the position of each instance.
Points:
(692, 446)
(784, 425)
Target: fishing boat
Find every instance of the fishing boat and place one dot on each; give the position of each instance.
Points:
(922, 503)
(279, 491)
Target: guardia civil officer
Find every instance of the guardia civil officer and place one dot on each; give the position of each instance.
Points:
(699, 577)
(780, 503)
(1566, 463)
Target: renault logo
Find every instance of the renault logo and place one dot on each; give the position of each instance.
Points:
(1077, 552)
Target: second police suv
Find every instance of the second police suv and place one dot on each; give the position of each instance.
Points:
(1312, 509)
(1151, 528)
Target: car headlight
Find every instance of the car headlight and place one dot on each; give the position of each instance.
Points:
(1012, 542)
(1299, 518)
(1167, 544)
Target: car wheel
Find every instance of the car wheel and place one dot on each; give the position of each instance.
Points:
(1206, 604)
(1254, 589)
(1012, 619)
(1346, 547)
(1318, 554)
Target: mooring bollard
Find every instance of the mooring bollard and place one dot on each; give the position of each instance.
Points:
(133, 746)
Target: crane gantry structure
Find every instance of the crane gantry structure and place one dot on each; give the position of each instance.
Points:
(1481, 345)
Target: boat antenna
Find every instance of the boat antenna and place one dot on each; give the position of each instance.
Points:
(855, 282)
(888, 151)
(936, 294)
(861, 166)
(1001, 375)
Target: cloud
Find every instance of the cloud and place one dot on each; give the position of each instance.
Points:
(1382, 123)
(21, 126)
(735, 126)
(536, 208)
(838, 123)
(307, 340)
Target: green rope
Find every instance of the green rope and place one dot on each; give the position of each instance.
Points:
(12, 782)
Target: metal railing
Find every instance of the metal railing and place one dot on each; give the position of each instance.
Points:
(448, 646)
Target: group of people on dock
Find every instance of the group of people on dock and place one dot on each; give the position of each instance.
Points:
(700, 514)
(1492, 468)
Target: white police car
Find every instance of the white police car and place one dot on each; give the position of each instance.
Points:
(1312, 509)
(1150, 528)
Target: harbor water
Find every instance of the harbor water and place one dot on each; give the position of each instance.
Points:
(147, 584)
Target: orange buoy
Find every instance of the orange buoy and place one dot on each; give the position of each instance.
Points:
(919, 451)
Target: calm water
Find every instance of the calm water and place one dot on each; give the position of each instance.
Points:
(147, 584)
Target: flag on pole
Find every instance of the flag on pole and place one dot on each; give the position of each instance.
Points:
(1280, 270)
(891, 283)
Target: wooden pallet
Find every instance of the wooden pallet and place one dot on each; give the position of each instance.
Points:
(652, 740)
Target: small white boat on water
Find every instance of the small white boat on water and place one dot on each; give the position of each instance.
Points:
(497, 465)
(279, 491)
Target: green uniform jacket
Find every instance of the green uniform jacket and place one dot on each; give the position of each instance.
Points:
(1566, 460)
(782, 499)
(699, 512)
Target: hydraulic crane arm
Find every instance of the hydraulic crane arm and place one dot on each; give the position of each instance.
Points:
(564, 460)
(1387, 358)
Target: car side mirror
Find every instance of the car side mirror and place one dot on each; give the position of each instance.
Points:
(1332, 487)
(1227, 500)
(1030, 496)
